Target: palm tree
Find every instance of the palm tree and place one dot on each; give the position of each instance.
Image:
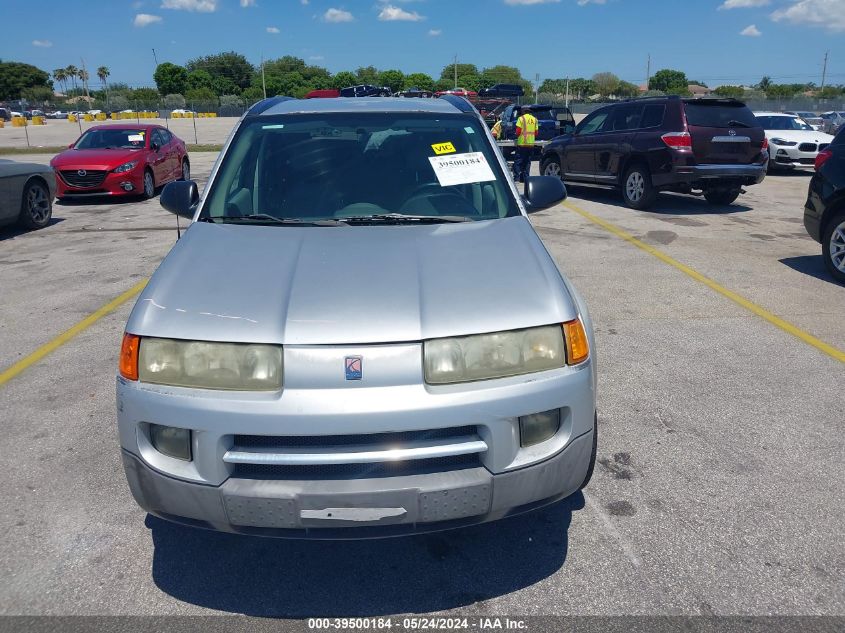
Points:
(61, 77)
(83, 77)
(103, 73)
(72, 73)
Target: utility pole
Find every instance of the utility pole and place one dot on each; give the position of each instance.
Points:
(824, 69)
(456, 70)
(263, 83)
(648, 71)
(536, 86)
(567, 92)
(155, 59)
(85, 82)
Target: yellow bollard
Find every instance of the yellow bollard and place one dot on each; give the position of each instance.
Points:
(101, 116)
(71, 118)
(114, 116)
(38, 120)
(87, 117)
(2, 124)
(18, 121)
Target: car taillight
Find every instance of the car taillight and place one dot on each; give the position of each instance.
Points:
(677, 140)
(822, 157)
(765, 143)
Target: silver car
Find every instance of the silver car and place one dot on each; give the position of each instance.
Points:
(360, 334)
(26, 194)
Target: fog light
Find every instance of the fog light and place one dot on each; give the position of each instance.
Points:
(127, 186)
(538, 427)
(171, 441)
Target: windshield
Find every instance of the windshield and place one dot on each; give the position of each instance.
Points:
(337, 166)
(112, 139)
(716, 114)
(782, 123)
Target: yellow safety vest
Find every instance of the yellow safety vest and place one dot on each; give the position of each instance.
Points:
(528, 124)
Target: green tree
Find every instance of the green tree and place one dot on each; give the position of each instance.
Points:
(37, 94)
(418, 80)
(201, 99)
(61, 78)
(730, 92)
(669, 81)
(464, 70)
(224, 86)
(606, 83)
(253, 94)
(72, 73)
(764, 83)
(344, 79)
(144, 98)
(393, 79)
(200, 79)
(500, 75)
(627, 89)
(830, 92)
(780, 91)
(16, 76)
(581, 88)
(470, 82)
(367, 75)
(286, 64)
(229, 65)
(174, 101)
(171, 79)
(554, 86)
(119, 102)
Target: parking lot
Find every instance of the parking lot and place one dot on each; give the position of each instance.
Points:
(719, 488)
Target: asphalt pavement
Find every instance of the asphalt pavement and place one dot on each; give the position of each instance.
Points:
(719, 488)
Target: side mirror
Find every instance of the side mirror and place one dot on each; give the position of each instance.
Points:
(542, 192)
(180, 197)
(154, 147)
(71, 146)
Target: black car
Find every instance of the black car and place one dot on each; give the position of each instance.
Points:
(416, 93)
(644, 146)
(824, 211)
(365, 90)
(501, 91)
(5, 114)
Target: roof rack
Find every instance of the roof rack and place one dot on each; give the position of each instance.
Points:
(459, 102)
(266, 104)
(651, 97)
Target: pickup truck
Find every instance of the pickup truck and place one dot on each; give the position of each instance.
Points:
(552, 121)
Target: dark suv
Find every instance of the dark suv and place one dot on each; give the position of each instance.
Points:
(643, 146)
(500, 91)
(824, 212)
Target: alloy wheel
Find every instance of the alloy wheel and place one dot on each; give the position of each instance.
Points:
(149, 186)
(186, 170)
(837, 247)
(552, 169)
(37, 204)
(635, 186)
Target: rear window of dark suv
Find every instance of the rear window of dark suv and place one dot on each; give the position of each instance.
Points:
(719, 114)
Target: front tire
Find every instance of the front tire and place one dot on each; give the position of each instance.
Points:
(36, 206)
(833, 247)
(186, 170)
(551, 167)
(637, 190)
(722, 196)
(149, 189)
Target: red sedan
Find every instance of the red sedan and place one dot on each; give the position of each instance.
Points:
(460, 92)
(119, 160)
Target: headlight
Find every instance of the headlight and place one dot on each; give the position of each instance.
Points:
(497, 355)
(126, 167)
(780, 141)
(232, 366)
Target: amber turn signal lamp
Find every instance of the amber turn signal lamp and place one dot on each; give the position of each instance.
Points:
(129, 356)
(577, 345)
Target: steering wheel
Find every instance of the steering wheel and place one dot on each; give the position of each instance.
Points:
(434, 190)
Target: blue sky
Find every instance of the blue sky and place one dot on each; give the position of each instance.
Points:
(716, 41)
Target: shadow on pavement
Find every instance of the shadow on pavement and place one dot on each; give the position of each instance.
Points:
(297, 579)
(812, 265)
(13, 230)
(666, 203)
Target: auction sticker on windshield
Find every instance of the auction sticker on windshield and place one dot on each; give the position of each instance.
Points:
(461, 169)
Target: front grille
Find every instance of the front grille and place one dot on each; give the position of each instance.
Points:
(807, 161)
(358, 471)
(394, 440)
(823, 146)
(89, 179)
(807, 147)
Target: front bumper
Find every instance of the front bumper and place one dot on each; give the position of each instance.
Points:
(113, 185)
(360, 508)
(213, 492)
(793, 157)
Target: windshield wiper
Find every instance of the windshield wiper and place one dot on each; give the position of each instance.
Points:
(272, 219)
(401, 218)
(735, 123)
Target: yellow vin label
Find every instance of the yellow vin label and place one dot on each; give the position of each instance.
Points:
(443, 148)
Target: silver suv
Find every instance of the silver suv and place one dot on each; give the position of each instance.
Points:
(359, 334)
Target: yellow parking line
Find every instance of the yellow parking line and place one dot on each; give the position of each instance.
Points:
(66, 336)
(797, 332)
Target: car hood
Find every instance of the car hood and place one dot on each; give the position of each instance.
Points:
(352, 284)
(94, 158)
(800, 136)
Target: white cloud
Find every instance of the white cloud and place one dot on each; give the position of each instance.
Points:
(337, 15)
(751, 31)
(247, 3)
(742, 4)
(304, 1)
(828, 14)
(145, 19)
(137, 5)
(201, 6)
(392, 14)
(582, 3)
(517, 2)
(42, 43)
(434, 32)
(273, 30)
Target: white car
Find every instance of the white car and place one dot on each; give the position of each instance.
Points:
(792, 141)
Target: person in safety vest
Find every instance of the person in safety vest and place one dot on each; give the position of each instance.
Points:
(496, 130)
(526, 131)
